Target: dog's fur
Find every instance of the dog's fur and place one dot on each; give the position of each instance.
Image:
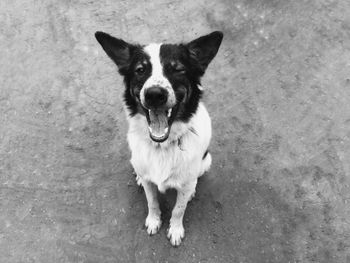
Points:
(169, 128)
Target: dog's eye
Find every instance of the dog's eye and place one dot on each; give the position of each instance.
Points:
(140, 70)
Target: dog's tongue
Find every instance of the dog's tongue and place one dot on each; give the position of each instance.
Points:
(158, 125)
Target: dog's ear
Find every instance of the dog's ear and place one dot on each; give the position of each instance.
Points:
(117, 49)
(204, 48)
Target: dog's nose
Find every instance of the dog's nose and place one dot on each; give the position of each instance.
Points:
(156, 96)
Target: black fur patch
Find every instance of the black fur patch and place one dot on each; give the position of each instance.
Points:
(205, 154)
(183, 65)
(134, 81)
(179, 69)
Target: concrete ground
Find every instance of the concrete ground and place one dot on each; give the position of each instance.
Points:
(279, 96)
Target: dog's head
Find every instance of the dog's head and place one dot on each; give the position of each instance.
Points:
(162, 80)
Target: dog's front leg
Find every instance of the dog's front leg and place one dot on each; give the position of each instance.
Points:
(176, 230)
(153, 221)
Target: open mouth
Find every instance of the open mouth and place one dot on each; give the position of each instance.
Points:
(159, 123)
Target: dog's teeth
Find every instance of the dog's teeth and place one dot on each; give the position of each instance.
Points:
(150, 129)
(149, 111)
(166, 130)
(169, 113)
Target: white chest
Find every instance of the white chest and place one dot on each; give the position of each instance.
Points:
(165, 167)
(170, 164)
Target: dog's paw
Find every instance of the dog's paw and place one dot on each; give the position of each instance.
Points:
(175, 234)
(153, 224)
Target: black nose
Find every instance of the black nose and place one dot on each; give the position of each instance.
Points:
(156, 96)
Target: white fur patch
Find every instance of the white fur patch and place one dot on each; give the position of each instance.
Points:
(153, 50)
(157, 77)
(175, 162)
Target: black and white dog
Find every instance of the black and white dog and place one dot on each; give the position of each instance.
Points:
(169, 128)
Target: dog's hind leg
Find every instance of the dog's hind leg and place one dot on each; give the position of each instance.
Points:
(206, 163)
(153, 221)
(205, 166)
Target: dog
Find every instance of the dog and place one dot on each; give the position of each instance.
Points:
(169, 127)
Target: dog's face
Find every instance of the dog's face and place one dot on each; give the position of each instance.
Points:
(162, 80)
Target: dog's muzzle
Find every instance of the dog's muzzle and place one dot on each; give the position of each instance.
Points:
(158, 106)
